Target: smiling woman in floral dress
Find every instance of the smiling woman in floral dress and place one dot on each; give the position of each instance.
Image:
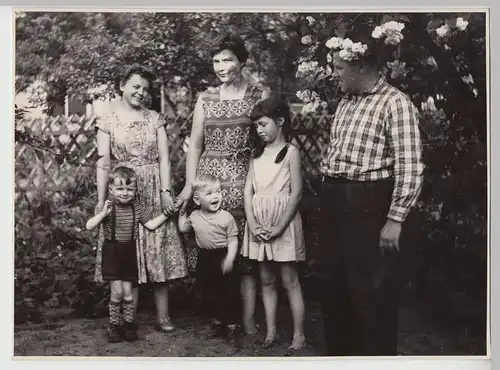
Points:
(134, 136)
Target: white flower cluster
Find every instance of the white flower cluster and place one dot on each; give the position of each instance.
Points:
(445, 29)
(310, 20)
(349, 50)
(391, 31)
(311, 107)
(461, 24)
(312, 101)
(309, 68)
(307, 95)
(334, 43)
(307, 40)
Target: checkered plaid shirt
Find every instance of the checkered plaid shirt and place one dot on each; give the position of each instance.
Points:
(375, 136)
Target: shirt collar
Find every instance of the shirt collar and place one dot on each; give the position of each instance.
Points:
(374, 89)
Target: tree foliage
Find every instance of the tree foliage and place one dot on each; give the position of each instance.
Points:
(81, 51)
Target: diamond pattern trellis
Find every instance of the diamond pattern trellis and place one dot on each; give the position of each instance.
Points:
(73, 145)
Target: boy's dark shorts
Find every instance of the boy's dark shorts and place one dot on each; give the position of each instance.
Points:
(119, 261)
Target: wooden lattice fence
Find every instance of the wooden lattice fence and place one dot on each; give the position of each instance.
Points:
(66, 144)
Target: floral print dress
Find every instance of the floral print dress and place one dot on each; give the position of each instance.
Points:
(160, 253)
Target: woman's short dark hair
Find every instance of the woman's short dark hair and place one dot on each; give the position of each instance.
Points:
(231, 42)
(132, 70)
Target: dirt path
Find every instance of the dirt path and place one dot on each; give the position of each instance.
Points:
(85, 337)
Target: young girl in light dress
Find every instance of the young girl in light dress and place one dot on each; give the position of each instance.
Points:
(273, 233)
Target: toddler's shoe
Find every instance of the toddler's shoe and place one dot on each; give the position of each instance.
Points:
(114, 334)
(130, 332)
(218, 331)
(234, 330)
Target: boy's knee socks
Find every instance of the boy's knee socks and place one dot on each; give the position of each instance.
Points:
(128, 311)
(114, 313)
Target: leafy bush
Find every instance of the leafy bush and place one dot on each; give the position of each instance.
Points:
(54, 255)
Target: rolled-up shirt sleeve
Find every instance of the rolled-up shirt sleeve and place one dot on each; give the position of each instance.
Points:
(405, 142)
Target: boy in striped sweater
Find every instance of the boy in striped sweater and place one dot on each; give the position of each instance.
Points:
(120, 218)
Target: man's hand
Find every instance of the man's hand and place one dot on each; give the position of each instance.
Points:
(389, 236)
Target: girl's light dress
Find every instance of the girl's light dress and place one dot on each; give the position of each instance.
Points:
(272, 186)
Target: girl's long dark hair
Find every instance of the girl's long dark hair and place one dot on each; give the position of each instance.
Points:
(273, 107)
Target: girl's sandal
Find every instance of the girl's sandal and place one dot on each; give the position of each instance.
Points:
(165, 325)
(294, 347)
(269, 342)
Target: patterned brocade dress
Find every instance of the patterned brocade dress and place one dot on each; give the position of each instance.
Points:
(227, 146)
(160, 253)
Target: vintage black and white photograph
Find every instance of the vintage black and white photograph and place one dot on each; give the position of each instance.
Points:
(237, 184)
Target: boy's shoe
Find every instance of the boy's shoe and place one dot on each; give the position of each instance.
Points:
(114, 334)
(130, 332)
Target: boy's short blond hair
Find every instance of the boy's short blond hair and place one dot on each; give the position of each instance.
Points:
(125, 173)
(200, 183)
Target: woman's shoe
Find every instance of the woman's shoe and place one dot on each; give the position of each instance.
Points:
(165, 325)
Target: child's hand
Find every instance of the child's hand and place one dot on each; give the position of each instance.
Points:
(263, 234)
(257, 230)
(271, 233)
(107, 207)
(227, 265)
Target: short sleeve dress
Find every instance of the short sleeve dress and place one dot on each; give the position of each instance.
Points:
(227, 146)
(160, 253)
(272, 185)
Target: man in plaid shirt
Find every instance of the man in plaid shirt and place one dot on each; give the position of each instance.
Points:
(372, 175)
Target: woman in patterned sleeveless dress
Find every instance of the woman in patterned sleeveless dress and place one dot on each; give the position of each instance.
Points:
(220, 144)
(136, 137)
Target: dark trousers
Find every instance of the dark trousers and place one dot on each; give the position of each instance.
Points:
(220, 293)
(360, 295)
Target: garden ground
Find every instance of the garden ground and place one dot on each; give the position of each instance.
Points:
(418, 335)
